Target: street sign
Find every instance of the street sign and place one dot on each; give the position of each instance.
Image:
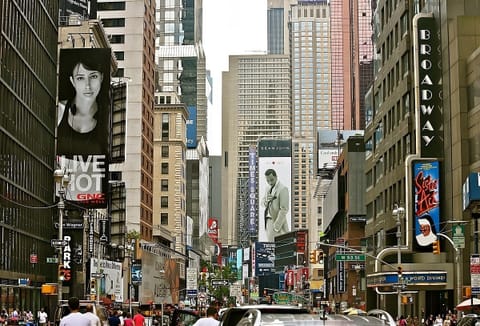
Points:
(219, 282)
(458, 236)
(58, 243)
(52, 260)
(96, 275)
(350, 257)
(475, 274)
(192, 292)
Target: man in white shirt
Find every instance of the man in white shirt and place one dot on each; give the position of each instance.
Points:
(75, 317)
(42, 317)
(94, 320)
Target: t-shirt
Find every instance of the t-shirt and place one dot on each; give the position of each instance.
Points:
(94, 320)
(42, 317)
(138, 320)
(209, 321)
(75, 319)
(128, 322)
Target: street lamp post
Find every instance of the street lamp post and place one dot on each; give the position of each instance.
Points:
(61, 180)
(399, 213)
(131, 252)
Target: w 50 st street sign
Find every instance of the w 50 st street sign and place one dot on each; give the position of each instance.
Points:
(350, 257)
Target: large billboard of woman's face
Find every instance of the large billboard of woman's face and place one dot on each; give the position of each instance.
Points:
(274, 188)
(83, 124)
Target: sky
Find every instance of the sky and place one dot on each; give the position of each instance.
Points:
(230, 27)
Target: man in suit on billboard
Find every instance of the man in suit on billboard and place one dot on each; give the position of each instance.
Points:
(276, 202)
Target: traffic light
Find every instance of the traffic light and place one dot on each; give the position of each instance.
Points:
(93, 286)
(320, 256)
(61, 273)
(436, 247)
(313, 257)
(399, 271)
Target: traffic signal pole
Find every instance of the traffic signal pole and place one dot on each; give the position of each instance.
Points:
(458, 266)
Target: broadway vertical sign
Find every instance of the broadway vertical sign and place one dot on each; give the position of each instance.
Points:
(428, 87)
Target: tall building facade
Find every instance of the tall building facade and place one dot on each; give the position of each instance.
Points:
(256, 105)
(311, 99)
(27, 149)
(180, 69)
(131, 26)
(394, 146)
(170, 218)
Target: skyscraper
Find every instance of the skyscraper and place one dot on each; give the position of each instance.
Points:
(28, 85)
(131, 26)
(256, 105)
(311, 97)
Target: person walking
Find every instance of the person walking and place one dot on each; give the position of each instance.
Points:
(94, 320)
(75, 317)
(211, 319)
(128, 321)
(138, 319)
(42, 317)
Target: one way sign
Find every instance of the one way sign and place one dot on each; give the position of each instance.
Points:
(219, 282)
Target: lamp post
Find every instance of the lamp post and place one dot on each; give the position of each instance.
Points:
(61, 180)
(399, 213)
(130, 248)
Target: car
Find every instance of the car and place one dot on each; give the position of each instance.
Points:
(62, 310)
(383, 315)
(469, 320)
(233, 315)
(296, 317)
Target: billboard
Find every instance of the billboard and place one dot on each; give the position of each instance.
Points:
(192, 127)
(471, 190)
(428, 86)
(264, 258)
(330, 143)
(111, 282)
(274, 188)
(426, 200)
(83, 124)
(252, 189)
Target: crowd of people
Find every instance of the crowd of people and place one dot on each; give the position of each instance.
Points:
(449, 319)
(89, 318)
(25, 317)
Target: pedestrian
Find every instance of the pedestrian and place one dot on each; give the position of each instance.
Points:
(211, 319)
(128, 321)
(122, 319)
(75, 317)
(3, 317)
(94, 320)
(42, 317)
(138, 319)
(113, 320)
(29, 318)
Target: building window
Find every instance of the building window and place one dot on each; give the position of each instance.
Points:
(164, 202)
(164, 168)
(164, 151)
(110, 6)
(113, 22)
(165, 126)
(120, 55)
(117, 39)
(164, 185)
(164, 218)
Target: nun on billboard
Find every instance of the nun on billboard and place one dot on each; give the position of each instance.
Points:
(427, 231)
